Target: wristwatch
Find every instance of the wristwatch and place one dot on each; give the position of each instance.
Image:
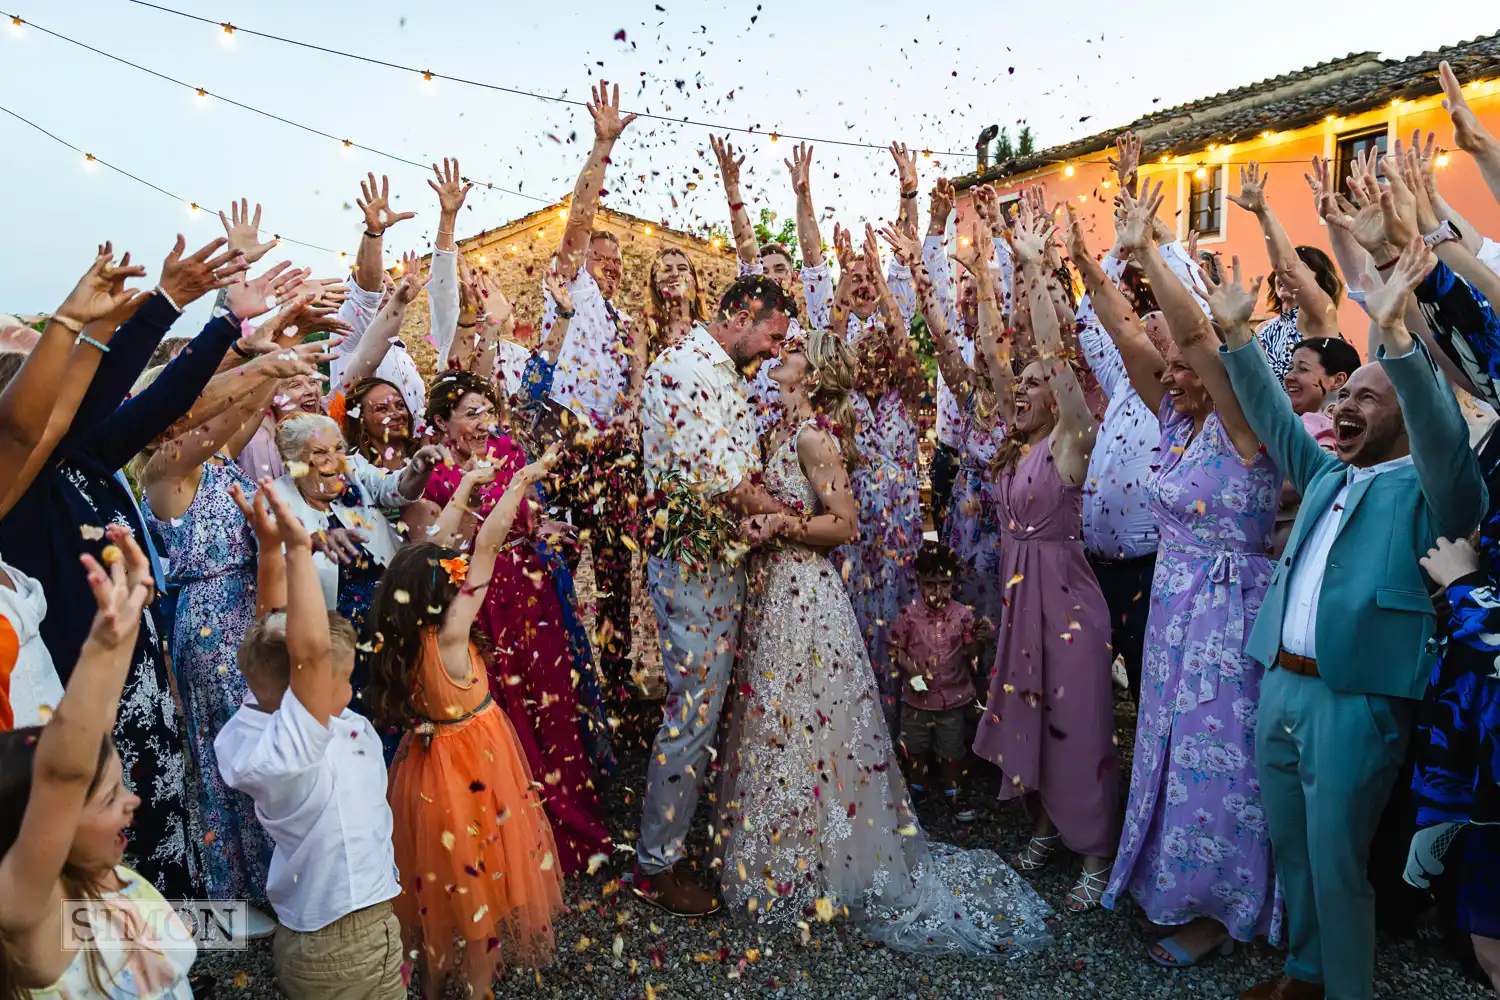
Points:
(1444, 232)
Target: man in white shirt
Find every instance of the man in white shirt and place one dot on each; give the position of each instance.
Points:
(699, 432)
(1346, 627)
(598, 377)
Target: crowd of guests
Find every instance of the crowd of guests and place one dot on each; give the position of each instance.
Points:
(312, 640)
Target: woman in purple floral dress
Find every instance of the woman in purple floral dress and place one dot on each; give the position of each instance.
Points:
(1195, 852)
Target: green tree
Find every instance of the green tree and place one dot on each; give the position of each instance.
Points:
(1024, 145)
(786, 235)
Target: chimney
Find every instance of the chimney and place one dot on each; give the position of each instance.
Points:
(982, 147)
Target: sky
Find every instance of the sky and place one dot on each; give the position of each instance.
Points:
(871, 71)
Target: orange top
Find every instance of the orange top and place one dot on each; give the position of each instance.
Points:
(439, 697)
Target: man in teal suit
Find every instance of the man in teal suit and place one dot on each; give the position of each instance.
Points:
(1345, 625)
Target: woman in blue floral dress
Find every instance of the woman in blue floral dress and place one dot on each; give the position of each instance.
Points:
(1195, 851)
(212, 553)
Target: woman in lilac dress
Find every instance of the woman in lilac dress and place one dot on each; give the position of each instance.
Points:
(1195, 852)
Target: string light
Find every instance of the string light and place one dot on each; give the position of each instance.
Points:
(516, 91)
(347, 143)
(1442, 159)
(562, 213)
(90, 158)
(427, 75)
(1200, 173)
(1068, 170)
(649, 230)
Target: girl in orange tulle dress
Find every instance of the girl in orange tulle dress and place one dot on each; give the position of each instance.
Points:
(474, 850)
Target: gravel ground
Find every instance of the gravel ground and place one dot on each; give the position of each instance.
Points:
(1097, 955)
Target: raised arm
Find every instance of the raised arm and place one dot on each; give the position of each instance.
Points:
(1315, 301)
(1469, 134)
(1347, 252)
(67, 753)
(375, 203)
(739, 216)
(270, 564)
(1073, 441)
(1190, 328)
(993, 339)
(71, 348)
(385, 328)
(609, 124)
(956, 372)
(307, 640)
(905, 368)
(906, 177)
(809, 240)
(1446, 465)
(552, 340)
(458, 621)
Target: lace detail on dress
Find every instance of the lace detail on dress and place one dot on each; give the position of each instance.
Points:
(814, 813)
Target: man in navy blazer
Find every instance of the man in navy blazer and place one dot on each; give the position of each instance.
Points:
(1345, 627)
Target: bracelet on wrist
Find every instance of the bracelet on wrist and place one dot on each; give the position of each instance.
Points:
(66, 322)
(1388, 264)
(84, 338)
(564, 315)
(909, 194)
(170, 301)
(374, 235)
(236, 348)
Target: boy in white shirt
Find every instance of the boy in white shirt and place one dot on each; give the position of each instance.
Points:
(318, 779)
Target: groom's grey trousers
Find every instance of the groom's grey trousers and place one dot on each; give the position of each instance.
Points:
(697, 617)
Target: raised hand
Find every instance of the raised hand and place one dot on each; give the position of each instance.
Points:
(1231, 303)
(970, 253)
(1468, 134)
(496, 305)
(376, 204)
(1411, 176)
(906, 167)
(249, 299)
(186, 279)
(1321, 183)
(729, 164)
(1140, 216)
(843, 246)
(800, 168)
(1127, 161)
(1029, 238)
(537, 471)
(101, 291)
(257, 514)
(904, 244)
(243, 231)
(872, 253)
(604, 108)
(1077, 243)
(940, 201)
(412, 280)
(122, 588)
(293, 532)
(297, 359)
(558, 289)
(1387, 304)
(450, 186)
(1398, 204)
(1252, 196)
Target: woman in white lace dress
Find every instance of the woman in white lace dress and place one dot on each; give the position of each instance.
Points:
(815, 821)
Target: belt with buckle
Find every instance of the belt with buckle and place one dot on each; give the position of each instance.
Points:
(1304, 665)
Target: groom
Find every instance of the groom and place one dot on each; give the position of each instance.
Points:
(698, 422)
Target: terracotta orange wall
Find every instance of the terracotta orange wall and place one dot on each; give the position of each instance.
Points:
(1287, 155)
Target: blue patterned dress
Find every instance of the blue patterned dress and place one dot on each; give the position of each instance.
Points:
(971, 528)
(212, 553)
(1195, 842)
(878, 569)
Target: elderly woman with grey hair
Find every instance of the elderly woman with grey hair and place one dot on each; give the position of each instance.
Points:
(340, 497)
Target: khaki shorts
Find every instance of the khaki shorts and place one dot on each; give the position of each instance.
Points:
(357, 957)
(943, 730)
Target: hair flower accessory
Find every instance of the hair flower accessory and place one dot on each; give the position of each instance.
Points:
(336, 407)
(457, 568)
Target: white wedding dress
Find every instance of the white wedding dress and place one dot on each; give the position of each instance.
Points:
(814, 818)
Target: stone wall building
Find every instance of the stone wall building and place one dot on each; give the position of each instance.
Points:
(519, 251)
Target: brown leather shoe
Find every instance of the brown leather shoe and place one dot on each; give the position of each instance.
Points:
(677, 894)
(1284, 987)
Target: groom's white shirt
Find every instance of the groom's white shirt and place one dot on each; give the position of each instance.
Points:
(697, 417)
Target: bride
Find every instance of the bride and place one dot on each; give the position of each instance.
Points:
(814, 818)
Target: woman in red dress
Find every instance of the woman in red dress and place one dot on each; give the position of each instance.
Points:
(531, 666)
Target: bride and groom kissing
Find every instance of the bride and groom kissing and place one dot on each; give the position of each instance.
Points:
(813, 819)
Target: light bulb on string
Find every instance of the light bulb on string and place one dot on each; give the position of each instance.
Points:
(228, 36)
(1068, 171)
(1442, 159)
(15, 26)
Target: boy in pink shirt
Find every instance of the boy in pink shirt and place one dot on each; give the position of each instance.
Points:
(934, 643)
